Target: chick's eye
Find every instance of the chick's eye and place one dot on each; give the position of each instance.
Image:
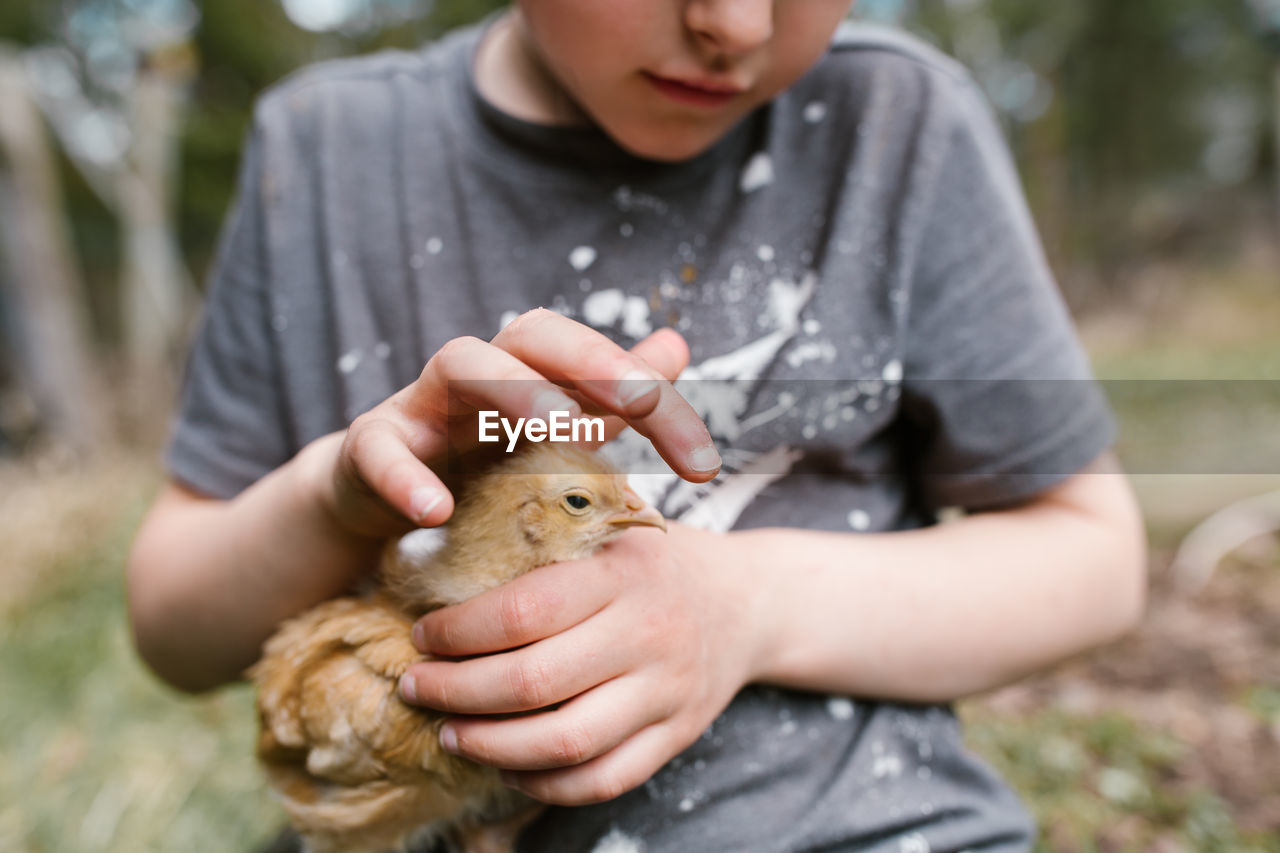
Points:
(577, 501)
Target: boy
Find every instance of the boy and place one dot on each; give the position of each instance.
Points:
(800, 209)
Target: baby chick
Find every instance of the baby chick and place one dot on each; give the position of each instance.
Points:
(546, 504)
(358, 769)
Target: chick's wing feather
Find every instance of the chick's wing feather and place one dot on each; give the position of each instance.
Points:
(328, 695)
(356, 768)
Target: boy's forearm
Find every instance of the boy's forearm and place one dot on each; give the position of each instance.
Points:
(210, 580)
(940, 613)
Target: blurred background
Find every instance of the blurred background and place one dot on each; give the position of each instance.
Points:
(1146, 134)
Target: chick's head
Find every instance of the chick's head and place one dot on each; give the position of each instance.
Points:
(566, 502)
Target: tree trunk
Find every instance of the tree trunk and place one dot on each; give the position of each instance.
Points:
(157, 292)
(53, 350)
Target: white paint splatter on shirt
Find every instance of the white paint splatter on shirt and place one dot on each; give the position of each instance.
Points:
(507, 318)
(582, 257)
(913, 843)
(628, 200)
(607, 307)
(349, 362)
(815, 111)
(840, 708)
(435, 246)
(765, 253)
(859, 520)
(785, 403)
(618, 841)
(719, 510)
(888, 766)
(892, 372)
(788, 298)
(635, 317)
(603, 307)
(757, 174)
(824, 351)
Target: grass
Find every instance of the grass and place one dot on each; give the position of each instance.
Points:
(1107, 783)
(95, 755)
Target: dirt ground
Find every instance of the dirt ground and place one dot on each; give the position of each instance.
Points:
(1203, 669)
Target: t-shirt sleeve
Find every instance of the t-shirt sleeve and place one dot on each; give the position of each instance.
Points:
(230, 427)
(997, 392)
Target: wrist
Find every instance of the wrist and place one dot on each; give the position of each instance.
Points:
(315, 469)
(742, 580)
(781, 572)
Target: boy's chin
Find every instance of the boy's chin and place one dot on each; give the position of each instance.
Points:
(666, 147)
(668, 150)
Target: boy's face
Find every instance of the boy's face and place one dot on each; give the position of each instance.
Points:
(666, 79)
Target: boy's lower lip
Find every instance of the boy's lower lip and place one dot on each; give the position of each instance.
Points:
(678, 91)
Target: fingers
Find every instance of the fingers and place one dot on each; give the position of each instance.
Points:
(478, 375)
(536, 676)
(383, 457)
(580, 731)
(666, 352)
(606, 777)
(532, 607)
(383, 477)
(568, 352)
(386, 477)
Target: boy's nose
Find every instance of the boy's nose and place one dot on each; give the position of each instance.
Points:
(731, 26)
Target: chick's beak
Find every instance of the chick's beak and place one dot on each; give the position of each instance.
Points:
(638, 513)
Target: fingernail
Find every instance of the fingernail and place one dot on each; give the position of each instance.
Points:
(634, 385)
(449, 739)
(547, 402)
(419, 637)
(408, 688)
(422, 500)
(704, 459)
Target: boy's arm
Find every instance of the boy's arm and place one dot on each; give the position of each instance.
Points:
(209, 580)
(944, 612)
(645, 644)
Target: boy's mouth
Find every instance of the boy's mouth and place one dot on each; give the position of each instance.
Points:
(695, 92)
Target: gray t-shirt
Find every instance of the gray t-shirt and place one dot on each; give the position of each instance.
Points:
(874, 336)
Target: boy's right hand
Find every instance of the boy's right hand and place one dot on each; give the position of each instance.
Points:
(542, 361)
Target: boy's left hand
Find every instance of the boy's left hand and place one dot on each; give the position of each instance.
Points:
(633, 652)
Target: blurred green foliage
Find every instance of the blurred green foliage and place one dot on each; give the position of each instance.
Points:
(1157, 128)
